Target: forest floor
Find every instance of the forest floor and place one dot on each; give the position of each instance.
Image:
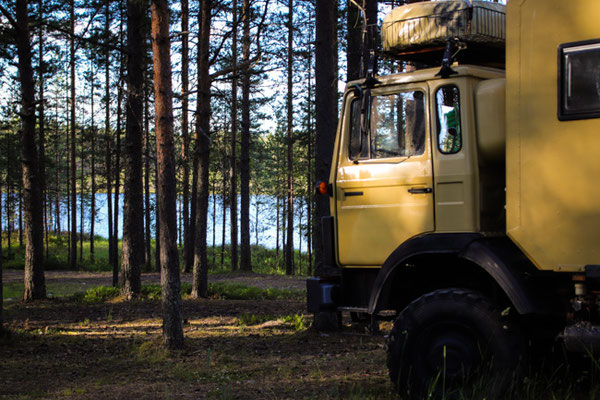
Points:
(234, 349)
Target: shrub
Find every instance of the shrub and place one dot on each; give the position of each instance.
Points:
(98, 294)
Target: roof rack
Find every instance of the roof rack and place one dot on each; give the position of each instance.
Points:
(420, 32)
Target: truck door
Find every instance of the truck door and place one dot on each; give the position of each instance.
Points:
(384, 181)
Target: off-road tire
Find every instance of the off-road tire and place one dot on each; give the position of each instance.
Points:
(481, 347)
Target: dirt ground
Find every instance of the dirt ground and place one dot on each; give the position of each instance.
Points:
(105, 278)
(234, 349)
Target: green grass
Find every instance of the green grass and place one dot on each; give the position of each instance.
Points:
(99, 294)
(264, 260)
(237, 291)
(14, 290)
(57, 256)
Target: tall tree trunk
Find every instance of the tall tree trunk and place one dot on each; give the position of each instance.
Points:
(185, 136)
(41, 123)
(8, 212)
(309, 172)
(108, 141)
(200, 278)
(300, 212)
(326, 111)
(56, 174)
(233, 157)
(133, 260)
(148, 227)
(21, 215)
(353, 40)
(73, 252)
(277, 207)
(165, 153)
(93, 178)
(224, 226)
(35, 287)
(289, 248)
(245, 257)
(81, 193)
(1, 283)
(115, 260)
(157, 243)
(68, 180)
(214, 221)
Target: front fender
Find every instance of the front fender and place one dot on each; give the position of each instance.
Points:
(498, 257)
(431, 244)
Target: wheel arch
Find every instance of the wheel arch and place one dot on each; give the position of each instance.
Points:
(434, 261)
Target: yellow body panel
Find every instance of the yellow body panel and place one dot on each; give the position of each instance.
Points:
(370, 226)
(456, 179)
(552, 166)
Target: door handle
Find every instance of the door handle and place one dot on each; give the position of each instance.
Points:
(348, 194)
(420, 190)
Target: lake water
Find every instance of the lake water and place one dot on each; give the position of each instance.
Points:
(263, 219)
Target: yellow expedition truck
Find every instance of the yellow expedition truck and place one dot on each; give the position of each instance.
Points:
(465, 200)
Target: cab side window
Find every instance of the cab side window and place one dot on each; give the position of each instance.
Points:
(449, 131)
(397, 126)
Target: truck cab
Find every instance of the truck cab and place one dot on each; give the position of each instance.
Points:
(449, 200)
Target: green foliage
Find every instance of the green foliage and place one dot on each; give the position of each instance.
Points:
(152, 291)
(264, 260)
(297, 321)
(236, 291)
(246, 319)
(57, 257)
(98, 294)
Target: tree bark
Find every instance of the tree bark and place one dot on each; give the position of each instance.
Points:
(107, 138)
(93, 178)
(245, 257)
(289, 248)
(35, 287)
(115, 260)
(233, 156)
(73, 249)
(185, 136)
(353, 41)
(326, 112)
(309, 171)
(200, 278)
(148, 227)
(1, 282)
(81, 191)
(165, 153)
(41, 123)
(133, 251)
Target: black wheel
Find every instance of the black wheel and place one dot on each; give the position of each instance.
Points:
(450, 341)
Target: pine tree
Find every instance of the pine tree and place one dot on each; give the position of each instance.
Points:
(326, 110)
(165, 151)
(34, 281)
(133, 216)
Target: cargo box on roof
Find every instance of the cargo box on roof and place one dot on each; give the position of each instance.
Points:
(419, 31)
